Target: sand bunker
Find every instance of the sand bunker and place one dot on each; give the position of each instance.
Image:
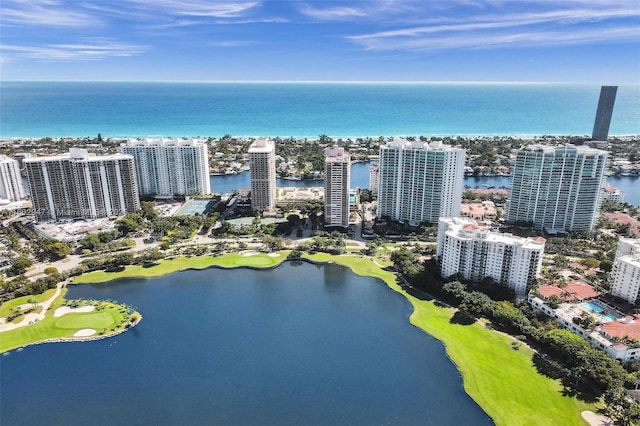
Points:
(250, 253)
(596, 419)
(274, 255)
(67, 310)
(85, 332)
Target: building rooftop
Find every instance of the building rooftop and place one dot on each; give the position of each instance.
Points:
(628, 328)
(262, 145)
(164, 142)
(572, 291)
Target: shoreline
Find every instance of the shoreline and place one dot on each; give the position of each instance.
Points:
(77, 339)
(435, 322)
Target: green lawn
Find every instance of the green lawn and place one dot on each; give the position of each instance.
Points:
(230, 260)
(6, 307)
(501, 380)
(63, 327)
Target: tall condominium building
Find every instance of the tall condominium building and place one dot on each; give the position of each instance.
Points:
(337, 178)
(475, 253)
(77, 185)
(168, 168)
(262, 166)
(420, 182)
(557, 188)
(374, 179)
(10, 181)
(625, 275)
(604, 112)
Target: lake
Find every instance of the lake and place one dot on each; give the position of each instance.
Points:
(301, 344)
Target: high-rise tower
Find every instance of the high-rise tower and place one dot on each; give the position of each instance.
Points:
(262, 166)
(603, 115)
(168, 168)
(77, 185)
(10, 181)
(557, 188)
(420, 182)
(337, 179)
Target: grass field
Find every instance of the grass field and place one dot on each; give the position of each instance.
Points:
(6, 307)
(501, 380)
(103, 321)
(230, 260)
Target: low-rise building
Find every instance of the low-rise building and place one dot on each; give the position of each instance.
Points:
(616, 334)
(485, 210)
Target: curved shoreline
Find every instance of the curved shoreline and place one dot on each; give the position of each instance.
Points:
(79, 338)
(435, 321)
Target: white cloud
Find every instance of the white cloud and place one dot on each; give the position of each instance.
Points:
(332, 13)
(568, 26)
(90, 50)
(202, 8)
(43, 13)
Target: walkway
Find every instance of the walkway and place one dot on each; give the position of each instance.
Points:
(32, 317)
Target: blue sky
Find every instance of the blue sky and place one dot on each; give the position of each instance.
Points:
(594, 41)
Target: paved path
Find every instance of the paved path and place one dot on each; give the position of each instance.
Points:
(32, 317)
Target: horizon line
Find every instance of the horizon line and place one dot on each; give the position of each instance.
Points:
(393, 82)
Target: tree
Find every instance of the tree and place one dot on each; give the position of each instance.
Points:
(455, 289)
(20, 264)
(590, 262)
(606, 265)
(129, 223)
(50, 270)
(148, 211)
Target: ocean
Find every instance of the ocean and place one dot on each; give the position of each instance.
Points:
(117, 109)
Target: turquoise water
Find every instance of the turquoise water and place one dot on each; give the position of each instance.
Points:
(598, 310)
(297, 345)
(38, 109)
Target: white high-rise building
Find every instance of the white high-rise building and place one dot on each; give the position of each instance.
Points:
(337, 179)
(420, 182)
(557, 188)
(374, 179)
(78, 185)
(625, 275)
(10, 180)
(262, 166)
(168, 168)
(475, 253)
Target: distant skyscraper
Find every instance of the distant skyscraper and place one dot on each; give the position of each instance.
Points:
(77, 185)
(168, 168)
(262, 166)
(603, 115)
(557, 188)
(374, 179)
(337, 178)
(10, 180)
(420, 182)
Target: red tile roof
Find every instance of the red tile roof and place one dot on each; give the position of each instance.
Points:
(572, 291)
(619, 329)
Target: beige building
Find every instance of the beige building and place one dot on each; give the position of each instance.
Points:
(262, 166)
(337, 178)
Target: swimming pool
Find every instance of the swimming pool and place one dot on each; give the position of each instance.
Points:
(598, 310)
